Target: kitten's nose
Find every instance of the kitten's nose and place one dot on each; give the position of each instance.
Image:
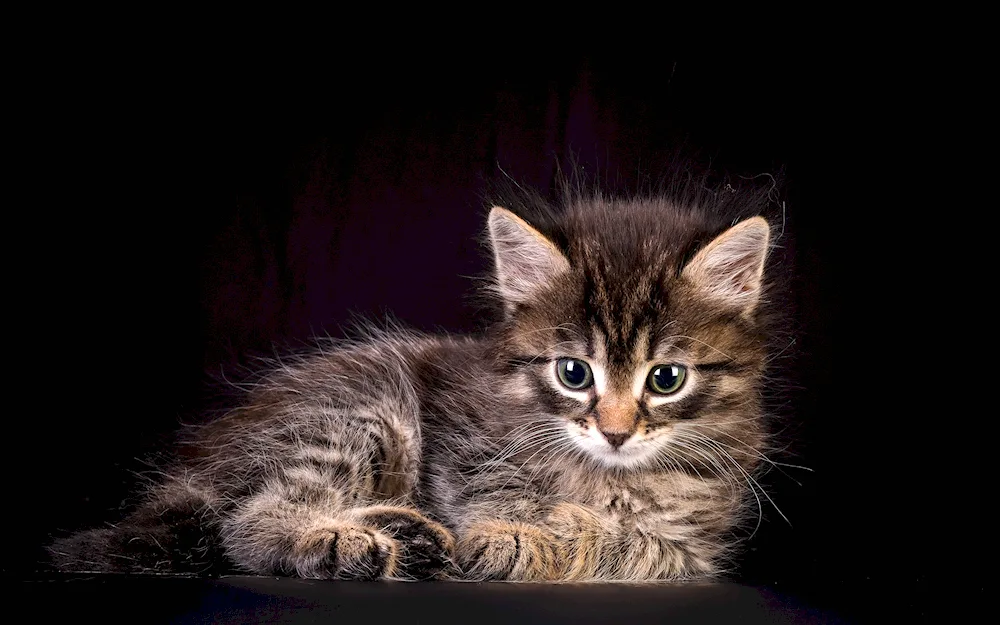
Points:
(616, 440)
(616, 417)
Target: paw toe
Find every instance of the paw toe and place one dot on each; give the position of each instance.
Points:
(488, 556)
(360, 553)
(425, 547)
(513, 551)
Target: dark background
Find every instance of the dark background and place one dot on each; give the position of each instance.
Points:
(179, 221)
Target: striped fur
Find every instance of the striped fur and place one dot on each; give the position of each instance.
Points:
(410, 457)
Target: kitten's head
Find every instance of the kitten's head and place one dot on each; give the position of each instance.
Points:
(635, 327)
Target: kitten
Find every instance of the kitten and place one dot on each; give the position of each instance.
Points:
(607, 428)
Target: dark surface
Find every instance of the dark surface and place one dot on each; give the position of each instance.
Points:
(272, 600)
(171, 223)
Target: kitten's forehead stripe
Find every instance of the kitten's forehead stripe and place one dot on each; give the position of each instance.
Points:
(621, 305)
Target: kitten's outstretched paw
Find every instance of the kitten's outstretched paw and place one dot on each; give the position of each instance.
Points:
(344, 551)
(498, 550)
(425, 547)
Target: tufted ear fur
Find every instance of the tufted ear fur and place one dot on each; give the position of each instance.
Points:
(730, 269)
(525, 260)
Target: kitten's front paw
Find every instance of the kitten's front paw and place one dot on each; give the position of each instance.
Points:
(425, 547)
(343, 551)
(498, 550)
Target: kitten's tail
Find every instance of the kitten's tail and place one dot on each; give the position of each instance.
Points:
(177, 536)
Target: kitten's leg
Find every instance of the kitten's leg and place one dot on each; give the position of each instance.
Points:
(649, 546)
(337, 505)
(580, 536)
(564, 544)
(574, 543)
(645, 556)
(501, 538)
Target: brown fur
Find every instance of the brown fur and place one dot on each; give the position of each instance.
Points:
(410, 457)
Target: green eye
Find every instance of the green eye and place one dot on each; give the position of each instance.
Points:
(666, 379)
(574, 374)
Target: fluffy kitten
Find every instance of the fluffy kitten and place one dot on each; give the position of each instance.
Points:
(606, 429)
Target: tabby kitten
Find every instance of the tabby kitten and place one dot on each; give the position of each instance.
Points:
(607, 428)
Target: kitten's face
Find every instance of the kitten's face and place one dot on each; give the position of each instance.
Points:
(647, 392)
(637, 362)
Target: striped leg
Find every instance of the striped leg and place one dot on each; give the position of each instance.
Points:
(337, 507)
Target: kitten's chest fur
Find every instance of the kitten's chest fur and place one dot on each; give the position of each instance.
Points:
(622, 499)
(636, 498)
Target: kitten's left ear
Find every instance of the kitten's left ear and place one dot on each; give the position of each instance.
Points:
(525, 260)
(730, 269)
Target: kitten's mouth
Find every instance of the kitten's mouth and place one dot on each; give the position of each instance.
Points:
(613, 450)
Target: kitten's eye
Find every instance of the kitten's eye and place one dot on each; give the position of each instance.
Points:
(666, 379)
(574, 374)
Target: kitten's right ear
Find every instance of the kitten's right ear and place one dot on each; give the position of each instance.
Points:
(525, 260)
